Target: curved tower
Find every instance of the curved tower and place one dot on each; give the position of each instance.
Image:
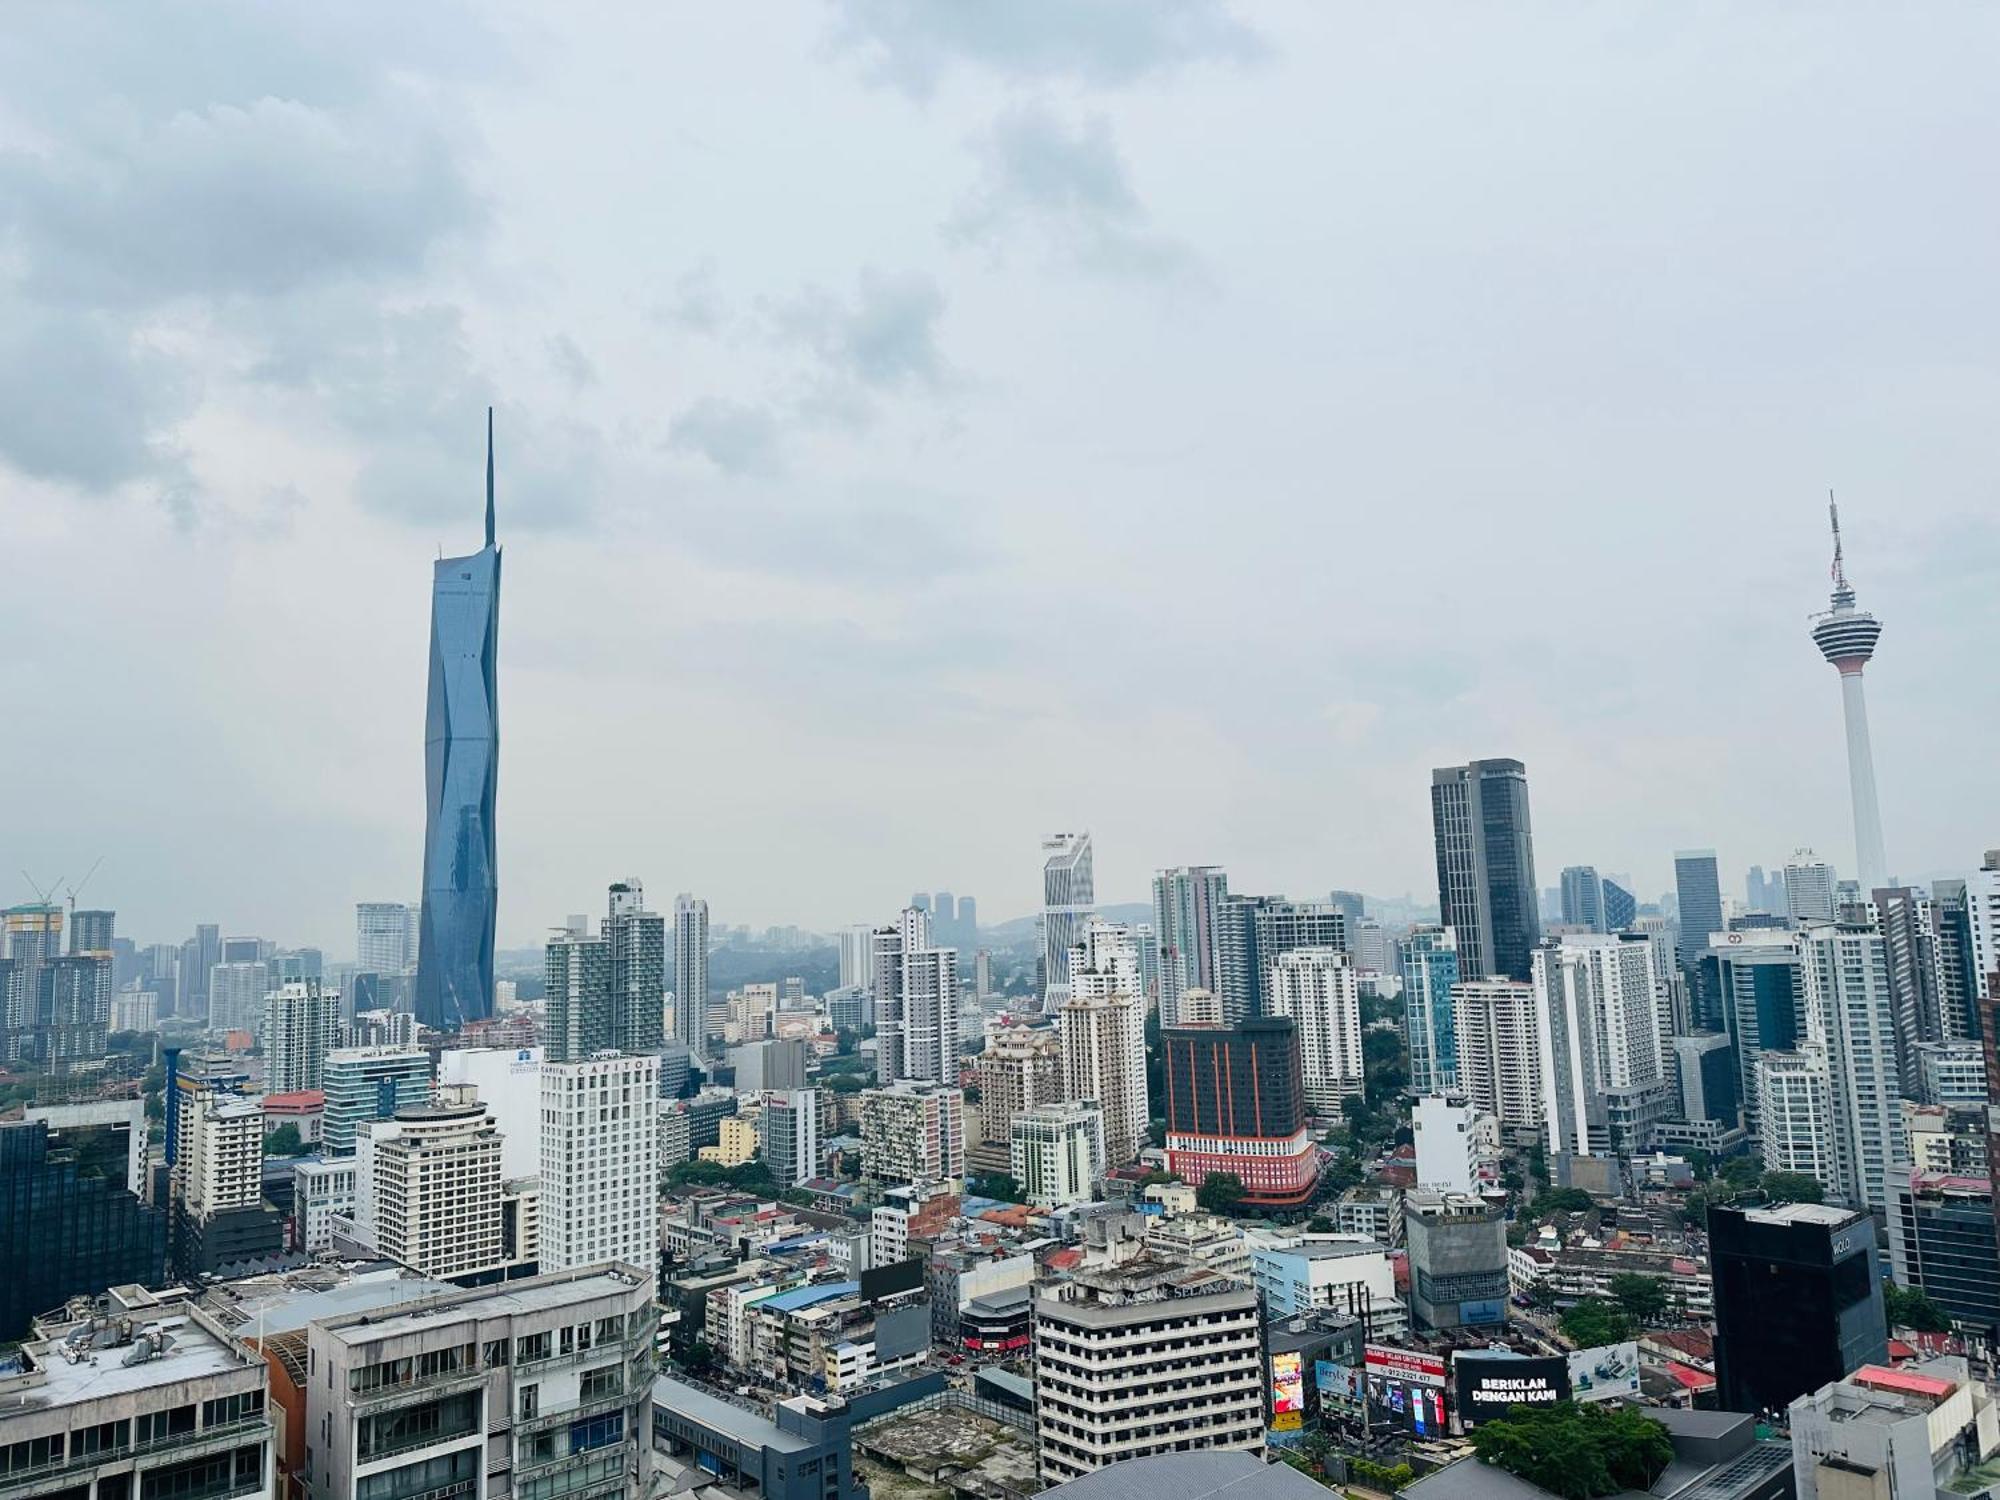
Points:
(1846, 637)
(461, 765)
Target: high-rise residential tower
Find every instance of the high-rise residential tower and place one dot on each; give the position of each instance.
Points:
(1846, 637)
(385, 937)
(1809, 888)
(691, 972)
(1187, 905)
(1486, 866)
(916, 1003)
(461, 777)
(301, 1023)
(1251, 933)
(1069, 893)
(637, 939)
(1104, 1037)
(1315, 988)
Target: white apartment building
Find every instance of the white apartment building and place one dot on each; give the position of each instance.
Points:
(1982, 904)
(1124, 1370)
(1103, 1030)
(1454, 1141)
(913, 1132)
(916, 1003)
(1809, 886)
(301, 1024)
(600, 1162)
(791, 1135)
(1951, 1073)
(508, 1081)
(1598, 1030)
(224, 1155)
(1795, 1117)
(322, 1191)
(1500, 1050)
(236, 994)
(1317, 989)
(427, 1185)
(1847, 976)
(385, 937)
(1057, 1152)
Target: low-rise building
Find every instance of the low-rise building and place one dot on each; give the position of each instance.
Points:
(1375, 1213)
(1202, 1241)
(1913, 1430)
(1351, 1277)
(107, 1406)
(1576, 1271)
(1127, 1367)
(802, 1451)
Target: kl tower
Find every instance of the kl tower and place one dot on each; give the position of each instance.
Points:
(1846, 637)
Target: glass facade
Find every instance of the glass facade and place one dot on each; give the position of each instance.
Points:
(66, 1228)
(461, 765)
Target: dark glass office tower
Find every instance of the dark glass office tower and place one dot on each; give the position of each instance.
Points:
(461, 765)
(1798, 1301)
(1698, 892)
(1486, 866)
(68, 1225)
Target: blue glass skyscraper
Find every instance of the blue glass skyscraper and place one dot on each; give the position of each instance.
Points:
(461, 771)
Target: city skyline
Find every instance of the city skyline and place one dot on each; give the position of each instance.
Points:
(978, 447)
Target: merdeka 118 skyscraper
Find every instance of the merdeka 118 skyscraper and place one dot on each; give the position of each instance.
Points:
(461, 773)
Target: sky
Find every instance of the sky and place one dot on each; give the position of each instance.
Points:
(924, 426)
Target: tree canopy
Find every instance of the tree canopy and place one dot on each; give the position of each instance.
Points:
(1575, 1451)
(1594, 1321)
(284, 1141)
(1911, 1307)
(1643, 1299)
(1220, 1192)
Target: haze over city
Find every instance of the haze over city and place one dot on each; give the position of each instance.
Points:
(921, 428)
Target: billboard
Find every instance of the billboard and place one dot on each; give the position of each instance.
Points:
(1288, 1393)
(886, 1281)
(902, 1330)
(1490, 1384)
(1610, 1372)
(1411, 1366)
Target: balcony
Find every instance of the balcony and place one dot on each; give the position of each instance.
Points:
(180, 1445)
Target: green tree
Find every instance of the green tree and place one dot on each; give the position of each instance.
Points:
(1155, 1176)
(1741, 1171)
(1911, 1307)
(1220, 1192)
(996, 1185)
(844, 1083)
(1564, 1201)
(1344, 1173)
(284, 1141)
(1643, 1298)
(1594, 1321)
(1793, 1187)
(1321, 1224)
(1578, 1452)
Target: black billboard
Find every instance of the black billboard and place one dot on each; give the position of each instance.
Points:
(1489, 1384)
(887, 1281)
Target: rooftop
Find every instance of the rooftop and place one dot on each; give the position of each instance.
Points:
(1197, 1476)
(536, 1294)
(195, 1352)
(746, 1427)
(1800, 1213)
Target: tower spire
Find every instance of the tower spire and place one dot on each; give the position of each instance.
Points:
(1832, 510)
(489, 480)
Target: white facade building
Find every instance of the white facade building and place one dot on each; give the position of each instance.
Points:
(1500, 1050)
(223, 1154)
(1795, 1124)
(1316, 988)
(427, 1185)
(1847, 977)
(1068, 894)
(1598, 1035)
(301, 1024)
(321, 1191)
(690, 1007)
(1453, 1142)
(385, 937)
(600, 1162)
(1809, 882)
(1103, 1028)
(1057, 1153)
(508, 1081)
(1982, 902)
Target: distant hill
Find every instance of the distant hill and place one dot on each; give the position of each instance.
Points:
(1021, 930)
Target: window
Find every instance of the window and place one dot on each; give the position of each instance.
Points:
(567, 1342)
(105, 1437)
(527, 1350)
(598, 1385)
(238, 1408)
(530, 1402)
(495, 1354)
(32, 1453)
(158, 1426)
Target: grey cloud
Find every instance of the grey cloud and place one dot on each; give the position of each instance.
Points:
(910, 44)
(697, 305)
(735, 437)
(885, 337)
(1071, 186)
(250, 189)
(571, 362)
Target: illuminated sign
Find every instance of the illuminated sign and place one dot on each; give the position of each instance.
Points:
(1610, 1372)
(1288, 1393)
(1411, 1366)
(1490, 1385)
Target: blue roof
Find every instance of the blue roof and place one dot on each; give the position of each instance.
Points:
(809, 1296)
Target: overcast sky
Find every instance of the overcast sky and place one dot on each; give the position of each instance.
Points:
(924, 426)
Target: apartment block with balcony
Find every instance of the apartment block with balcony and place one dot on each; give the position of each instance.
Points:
(533, 1390)
(108, 1407)
(1127, 1367)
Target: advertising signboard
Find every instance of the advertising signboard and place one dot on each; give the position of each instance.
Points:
(1288, 1393)
(1609, 1372)
(1489, 1384)
(1412, 1366)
